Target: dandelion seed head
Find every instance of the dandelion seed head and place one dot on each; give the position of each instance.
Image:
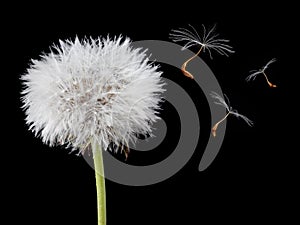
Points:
(100, 89)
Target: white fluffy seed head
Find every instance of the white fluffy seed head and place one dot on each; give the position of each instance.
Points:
(101, 90)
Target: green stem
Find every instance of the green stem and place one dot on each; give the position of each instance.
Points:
(100, 183)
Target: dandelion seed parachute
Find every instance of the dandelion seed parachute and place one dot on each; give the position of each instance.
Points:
(100, 89)
(208, 40)
(226, 104)
(254, 73)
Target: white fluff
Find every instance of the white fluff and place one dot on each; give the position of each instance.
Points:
(87, 90)
(254, 73)
(226, 104)
(209, 40)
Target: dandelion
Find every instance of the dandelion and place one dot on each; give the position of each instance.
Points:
(86, 95)
(254, 73)
(226, 105)
(208, 41)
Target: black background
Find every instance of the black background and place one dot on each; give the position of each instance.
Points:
(250, 179)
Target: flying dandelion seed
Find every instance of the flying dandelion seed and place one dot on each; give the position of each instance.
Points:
(208, 41)
(254, 73)
(81, 93)
(229, 109)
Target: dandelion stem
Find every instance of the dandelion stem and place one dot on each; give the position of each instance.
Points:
(215, 127)
(269, 83)
(100, 183)
(184, 71)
